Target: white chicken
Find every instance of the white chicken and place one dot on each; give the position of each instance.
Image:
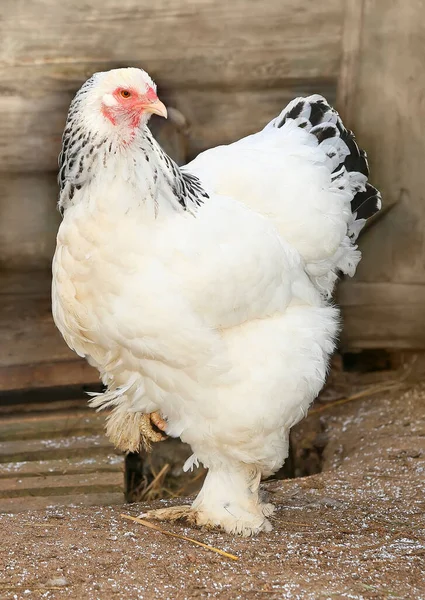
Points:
(202, 293)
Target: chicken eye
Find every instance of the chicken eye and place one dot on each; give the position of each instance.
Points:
(125, 93)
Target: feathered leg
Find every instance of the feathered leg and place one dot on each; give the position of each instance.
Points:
(130, 432)
(229, 499)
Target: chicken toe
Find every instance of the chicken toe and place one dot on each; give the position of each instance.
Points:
(152, 428)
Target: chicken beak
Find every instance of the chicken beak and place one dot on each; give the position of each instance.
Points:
(157, 108)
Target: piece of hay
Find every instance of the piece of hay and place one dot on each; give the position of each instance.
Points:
(180, 537)
(370, 391)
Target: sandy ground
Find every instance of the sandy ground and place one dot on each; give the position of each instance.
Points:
(356, 530)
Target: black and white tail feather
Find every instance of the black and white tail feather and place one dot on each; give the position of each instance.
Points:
(349, 171)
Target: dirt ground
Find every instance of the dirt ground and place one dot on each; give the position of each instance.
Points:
(356, 530)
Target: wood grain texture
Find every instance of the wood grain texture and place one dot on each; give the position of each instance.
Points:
(186, 44)
(352, 293)
(17, 505)
(74, 446)
(69, 483)
(350, 54)
(49, 48)
(34, 354)
(20, 405)
(97, 464)
(382, 315)
(36, 426)
(385, 108)
(27, 332)
(61, 453)
(28, 220)
(75, 371)
(24, 283)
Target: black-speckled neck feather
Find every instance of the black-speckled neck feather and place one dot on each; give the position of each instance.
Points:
(83, 149)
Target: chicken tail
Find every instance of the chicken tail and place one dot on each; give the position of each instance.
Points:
(344, 157)
(349, 172)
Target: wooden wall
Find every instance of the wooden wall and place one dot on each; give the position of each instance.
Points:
(227, 66)
(381, 97)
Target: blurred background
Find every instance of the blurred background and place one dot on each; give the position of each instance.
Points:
(225, 69)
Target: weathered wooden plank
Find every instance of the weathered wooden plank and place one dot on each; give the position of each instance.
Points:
(383, 105)
(186, 44)
(371, 327)
(350, 54)
(33, 351)
(61, 484)
(382, 315)
(81, 445)
(86, 464)
(25, 283)
(17, 505)
(80, 483)
(27, 332)
(51, 425)
(47, 374)
(17, 407)
(356, 293)
(29, 219)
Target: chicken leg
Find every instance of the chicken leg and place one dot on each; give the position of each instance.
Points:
(229, 500)
(132, 431)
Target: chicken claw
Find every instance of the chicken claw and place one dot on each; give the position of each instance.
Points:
(158, 421)
(152, 428)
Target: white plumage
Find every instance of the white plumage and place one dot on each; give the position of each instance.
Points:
(201, 294)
